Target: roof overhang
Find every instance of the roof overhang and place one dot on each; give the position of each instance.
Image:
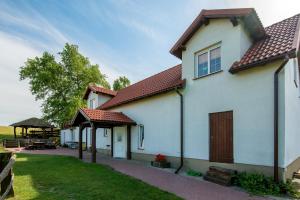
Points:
(100, 90)
(248, 15)
(101, 118)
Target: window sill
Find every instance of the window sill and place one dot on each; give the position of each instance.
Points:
(140, 148)
(196, 78)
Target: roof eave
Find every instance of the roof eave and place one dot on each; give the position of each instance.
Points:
(290, 54)
(199, 21)
(181, 85)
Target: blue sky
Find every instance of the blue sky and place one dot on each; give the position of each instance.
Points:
(130, 38)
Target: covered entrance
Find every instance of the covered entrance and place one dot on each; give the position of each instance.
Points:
(117, 122)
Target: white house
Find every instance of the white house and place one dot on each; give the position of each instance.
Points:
(232, 102)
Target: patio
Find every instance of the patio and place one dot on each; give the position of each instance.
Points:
(181, 185)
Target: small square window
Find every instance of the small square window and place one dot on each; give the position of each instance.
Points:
(105, 133)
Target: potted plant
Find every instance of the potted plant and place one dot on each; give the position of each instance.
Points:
(160, 161)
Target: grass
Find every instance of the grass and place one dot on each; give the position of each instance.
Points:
(61, 177)
(7, 132)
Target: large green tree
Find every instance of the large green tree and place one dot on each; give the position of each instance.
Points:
(121, 83)
(60, 85)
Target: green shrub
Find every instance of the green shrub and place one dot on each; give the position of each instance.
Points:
(259, 184)
(193, 173)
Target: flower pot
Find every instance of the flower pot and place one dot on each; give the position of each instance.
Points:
(163, 164)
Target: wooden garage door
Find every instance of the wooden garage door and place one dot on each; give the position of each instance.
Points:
(221, 137)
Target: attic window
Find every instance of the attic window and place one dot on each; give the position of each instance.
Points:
(208, 61)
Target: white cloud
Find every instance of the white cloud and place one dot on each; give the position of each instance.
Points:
(16, 102)
(37, 24)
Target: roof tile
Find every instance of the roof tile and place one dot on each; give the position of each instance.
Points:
(280, 41)
(161, 82)
(98, 90)
(107, 116)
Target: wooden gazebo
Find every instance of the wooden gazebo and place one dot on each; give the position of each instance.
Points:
(32, 123)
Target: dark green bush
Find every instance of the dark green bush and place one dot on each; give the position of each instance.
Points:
(193, 173)
(259, 184)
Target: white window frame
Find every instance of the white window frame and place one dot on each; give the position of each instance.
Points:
(141, 144)
(92, 103)
(206, 50)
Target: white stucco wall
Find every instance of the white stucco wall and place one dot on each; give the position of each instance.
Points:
(99, 99)
(102, 142)
(292, 113)
(160, 116)
(66, 135)
(249, 94)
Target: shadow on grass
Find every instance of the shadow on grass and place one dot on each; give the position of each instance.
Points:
(45, 177)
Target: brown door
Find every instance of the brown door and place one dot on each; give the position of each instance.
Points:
(221, 137)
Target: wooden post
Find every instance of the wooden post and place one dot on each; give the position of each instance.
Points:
(26, 131)
(15, 134)
(80, 142)
(22, 131)
(93, 143)
(112, 142)
(128, 142)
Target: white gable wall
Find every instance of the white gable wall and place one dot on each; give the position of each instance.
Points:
(292, 114)
(99, 99)
(249, 94)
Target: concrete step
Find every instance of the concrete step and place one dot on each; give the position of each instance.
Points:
(217, 180)
(220, 175)
(223, 170)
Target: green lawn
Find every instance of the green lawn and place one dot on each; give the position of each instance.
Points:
(60, 177)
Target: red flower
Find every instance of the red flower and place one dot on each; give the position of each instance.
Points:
(160, 158)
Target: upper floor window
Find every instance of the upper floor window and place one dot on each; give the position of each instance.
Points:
(141, 137)
(208, 61)
(92, 104)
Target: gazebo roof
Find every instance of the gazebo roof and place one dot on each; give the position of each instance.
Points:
(32, 123)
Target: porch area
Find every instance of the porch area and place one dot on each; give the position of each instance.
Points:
(94, 119)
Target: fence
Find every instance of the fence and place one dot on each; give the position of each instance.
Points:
(7, 160)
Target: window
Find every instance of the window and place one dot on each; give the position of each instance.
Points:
(105, 132)
(202, 64)
(208, 61)
(72, 135)
(92, 104)
(141, 137)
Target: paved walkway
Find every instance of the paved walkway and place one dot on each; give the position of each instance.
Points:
(185, 187)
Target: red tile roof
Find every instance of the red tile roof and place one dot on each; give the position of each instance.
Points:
(98, 90)
(162, 82)
(248, 15)
(282, 39)
(106, 116)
